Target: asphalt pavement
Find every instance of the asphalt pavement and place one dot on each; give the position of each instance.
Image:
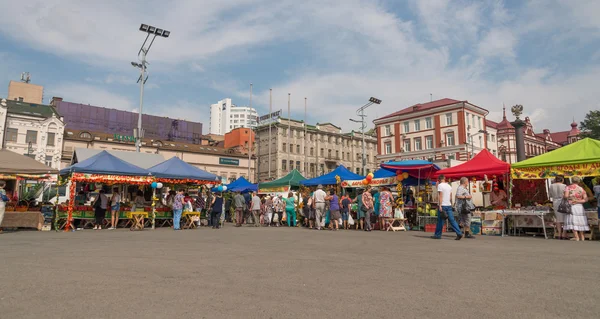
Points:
(293, 273)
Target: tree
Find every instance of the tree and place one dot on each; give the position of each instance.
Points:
(590, 127)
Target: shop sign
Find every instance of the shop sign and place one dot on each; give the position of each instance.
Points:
(265, 119)
(124, 138)
(229, 161)
(374, 182)
(581, 170)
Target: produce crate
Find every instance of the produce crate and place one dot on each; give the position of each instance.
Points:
(430, 228)
(475, 228)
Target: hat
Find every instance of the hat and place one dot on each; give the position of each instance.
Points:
(320, 186)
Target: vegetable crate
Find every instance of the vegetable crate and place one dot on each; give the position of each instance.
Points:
(430, 228)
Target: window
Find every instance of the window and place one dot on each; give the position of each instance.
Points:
(298, 165)
(406, 127)
(329, 153)
(428, 123)
(321, 168)
(367, 157)
(450, 139)
(388, 148)
(312, 167)
(337, 154)
(312, 151)
(11, 134)
(291, 165)
(417, 125)
(284, 147)
(493, 138)
(348, 156)
(51, 139)
(358, 170)
(85, 135)
(448, 118)
(284, 165)
(298, 148)
(472, 121)
(407, 145)
(388, 130)
(48, 160)
(429, 142)
(291, 148)
(358, 158)
(480, 142)
(417, 144)
(31, 137)
(479, 122)
(322, 152)
(20, 99)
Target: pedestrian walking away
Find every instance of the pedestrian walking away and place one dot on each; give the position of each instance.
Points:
(319, 200)
(445, 209)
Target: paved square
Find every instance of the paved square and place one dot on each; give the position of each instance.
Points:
(293, 273)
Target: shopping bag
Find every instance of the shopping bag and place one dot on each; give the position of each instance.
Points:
(350, 220)
(276, 218)
(340, 221)
(398, 213)
(284, 218)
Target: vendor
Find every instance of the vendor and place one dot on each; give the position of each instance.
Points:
(498, 198)
(80, 199)
(139, 200)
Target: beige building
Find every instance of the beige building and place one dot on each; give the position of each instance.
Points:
(217, 160)
(34, 130)
(25, 92)
(440, 130)
(320, 151)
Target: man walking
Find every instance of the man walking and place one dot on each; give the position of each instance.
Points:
(238, 203)
(445, 209)
(319, 202)
(256, 209)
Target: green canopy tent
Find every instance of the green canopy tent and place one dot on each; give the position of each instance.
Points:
(292, 179)
(581, 158)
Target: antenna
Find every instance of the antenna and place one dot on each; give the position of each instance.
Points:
(25, 77)
(430, 97)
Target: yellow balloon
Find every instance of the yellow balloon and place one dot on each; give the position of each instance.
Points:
(405, 175)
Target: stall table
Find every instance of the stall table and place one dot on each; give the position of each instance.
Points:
(517, 212)
(137, 219)
(395, 224)
(23, 220)
(189, 219)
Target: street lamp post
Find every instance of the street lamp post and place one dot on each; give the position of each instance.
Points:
(471, 138)
(361, 112)
(143, 66)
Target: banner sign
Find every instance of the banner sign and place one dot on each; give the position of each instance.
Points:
(275, 190)
(124, 138)
(111, 179)
(229, 161)
(273, 117)
(581, 170)
(374, 182)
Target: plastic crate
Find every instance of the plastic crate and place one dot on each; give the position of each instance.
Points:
(475, 228)
(430, 228)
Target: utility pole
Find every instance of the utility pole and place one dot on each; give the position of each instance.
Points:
(270, 120)
(289, 130)
(250, 138)
(305, 140)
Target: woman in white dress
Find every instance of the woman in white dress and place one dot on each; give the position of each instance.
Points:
(577, 220)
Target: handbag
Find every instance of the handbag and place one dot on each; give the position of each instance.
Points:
(363, 208)
(443, 214)
(565, 207)
(276, 218)
(466, 206)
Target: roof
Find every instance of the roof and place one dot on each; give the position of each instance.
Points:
(178, 169)
(560, 137)
(143, 160)
(584, 151)
(14, 163)
(422, 107)
(105, 163)
(484, 163)
(490, 123)
(241, 185)
(416, 168)
(293, 178)
(30, 109)
(329, 123)
(329, 178)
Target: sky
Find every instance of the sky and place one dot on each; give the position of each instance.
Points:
(543, 54)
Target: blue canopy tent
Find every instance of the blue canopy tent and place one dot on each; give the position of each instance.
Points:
(242, 185)
(329, 178)
(175, 168)
(105, 163)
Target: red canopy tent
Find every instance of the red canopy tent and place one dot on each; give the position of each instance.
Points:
(484, 163)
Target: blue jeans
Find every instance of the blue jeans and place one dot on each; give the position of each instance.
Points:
(177, 218)
(440, 222)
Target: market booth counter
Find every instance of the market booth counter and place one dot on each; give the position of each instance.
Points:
(15, 169)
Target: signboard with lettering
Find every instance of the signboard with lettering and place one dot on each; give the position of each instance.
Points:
(229, 161)
(265, 119)
(581, 170)
(124, 138)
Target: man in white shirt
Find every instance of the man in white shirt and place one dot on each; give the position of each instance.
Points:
(319, 202)
(256, 209)
(445, 208)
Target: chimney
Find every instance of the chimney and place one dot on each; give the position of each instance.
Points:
(55, 100)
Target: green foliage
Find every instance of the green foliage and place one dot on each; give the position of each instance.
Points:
(590, 127)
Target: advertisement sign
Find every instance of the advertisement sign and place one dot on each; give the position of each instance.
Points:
(581, 170)
(124, 138)
(265, 119)
(229, 161)
(374, 182)
(281, 190)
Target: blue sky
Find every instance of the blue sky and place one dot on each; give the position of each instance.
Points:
(544, 54)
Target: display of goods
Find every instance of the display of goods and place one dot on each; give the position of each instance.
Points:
(491, 231)
(430, 228)
(147, 209)
(433, 212)
(475, 228)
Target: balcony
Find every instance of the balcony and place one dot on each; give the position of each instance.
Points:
(332, 158)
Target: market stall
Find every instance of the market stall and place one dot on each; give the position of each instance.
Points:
(14, 169)
(282, 185)
(174, 171)
(341, 173)
(242, 185)
(102, 168)
(581, 159)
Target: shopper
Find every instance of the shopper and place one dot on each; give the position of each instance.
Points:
(238, 203)
(290, 210)
(445, 209)
(100, 206)
(255, 209)
(360, 214)
(319, 200)
(278, 207)
(3, 200)
(464, 205)
(268, 210)
(557, 193)
(368, 206)
(345, 209)
(577, 220)
(217, 210)
(178, 209)
(386, 209)
(334, 209)
(115, 205)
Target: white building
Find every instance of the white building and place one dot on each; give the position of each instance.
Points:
(226, 116)
(34, 130)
